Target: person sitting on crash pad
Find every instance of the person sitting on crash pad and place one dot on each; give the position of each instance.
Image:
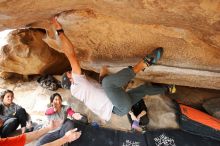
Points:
(138, 117)
(136, 120)
(11, 114)
(60, 112)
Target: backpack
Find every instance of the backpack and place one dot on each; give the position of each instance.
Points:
(49, 82)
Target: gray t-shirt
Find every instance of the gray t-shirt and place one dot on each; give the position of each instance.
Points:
(61, 116)
(92, 94)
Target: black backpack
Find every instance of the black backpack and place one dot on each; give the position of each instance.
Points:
(49, 82)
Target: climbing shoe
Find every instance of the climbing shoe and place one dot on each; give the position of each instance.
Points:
(154, 56)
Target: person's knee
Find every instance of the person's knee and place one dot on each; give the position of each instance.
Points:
(21, 113)
(123, 111)
(10, 125)
(69, 124)
(12, 121)
(106, 81)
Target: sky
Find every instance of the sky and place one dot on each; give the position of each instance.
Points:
(3, 37)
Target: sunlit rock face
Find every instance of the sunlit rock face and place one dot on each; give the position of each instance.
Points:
(119, 33)
(27, 54)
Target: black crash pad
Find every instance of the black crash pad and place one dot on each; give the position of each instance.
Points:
(92, 136)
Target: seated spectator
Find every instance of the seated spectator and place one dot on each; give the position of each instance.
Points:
(138, 117)
(11, 115)
(60, 112)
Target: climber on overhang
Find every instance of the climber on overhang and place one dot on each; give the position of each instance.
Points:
(109, 97)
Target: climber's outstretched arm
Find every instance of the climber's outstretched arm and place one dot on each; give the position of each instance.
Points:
(68, 48)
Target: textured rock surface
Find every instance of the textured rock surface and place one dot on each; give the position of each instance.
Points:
(27, 54)
(119, 32)
(160, 112)
(212, 107)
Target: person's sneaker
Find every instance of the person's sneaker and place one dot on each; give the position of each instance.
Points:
(154, 56)
(171, 89)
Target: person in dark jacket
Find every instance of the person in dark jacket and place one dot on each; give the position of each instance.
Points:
(11, 114)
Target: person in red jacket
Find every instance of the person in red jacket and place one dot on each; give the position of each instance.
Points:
(26, 138)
